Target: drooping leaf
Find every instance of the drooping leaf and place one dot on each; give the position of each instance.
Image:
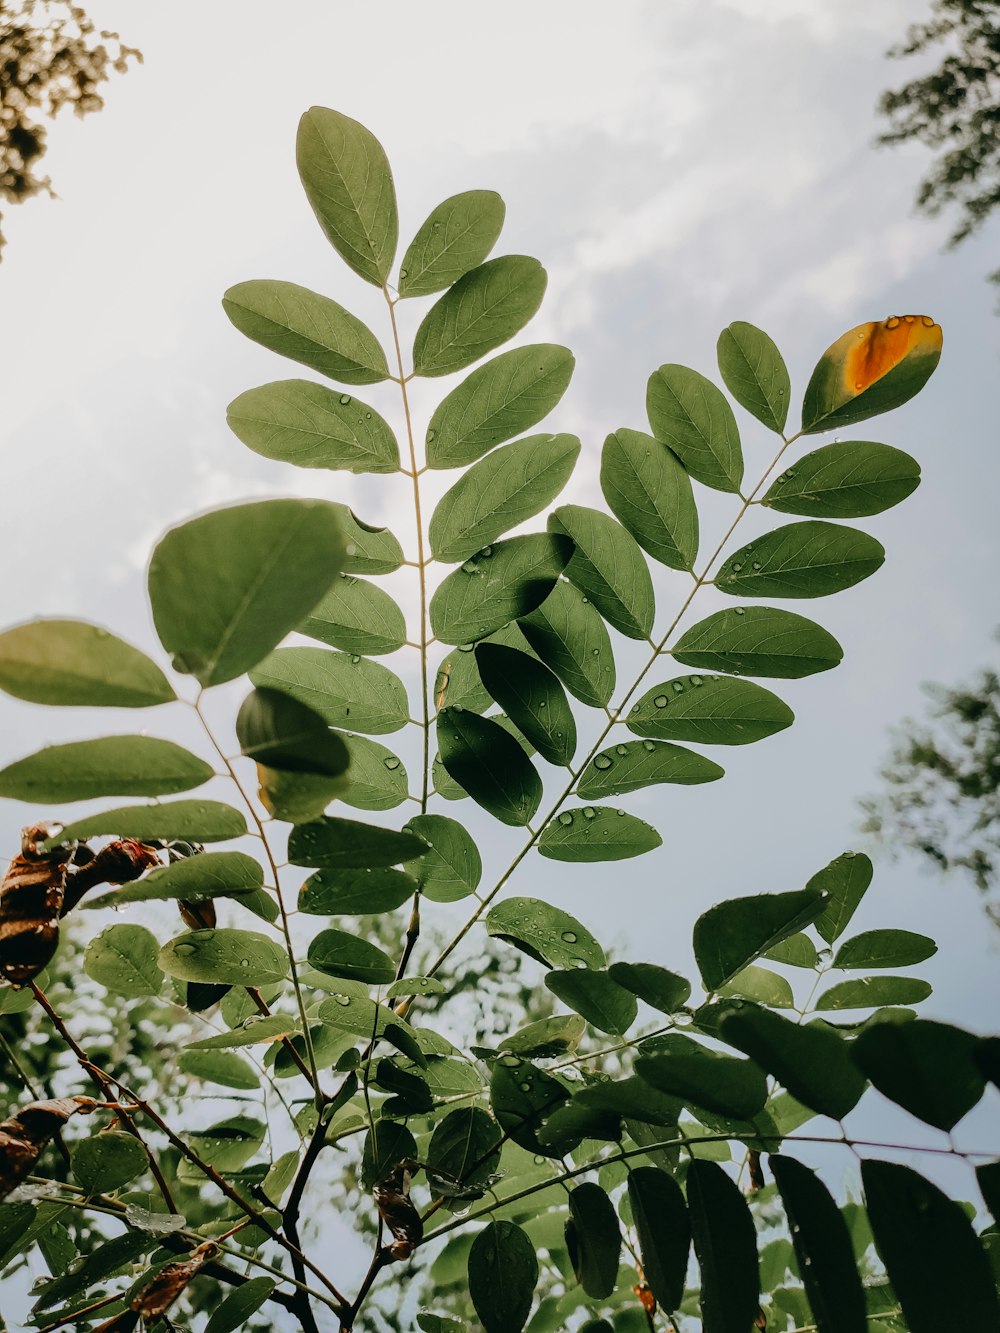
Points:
(601, 1001)
(531, 696)
(508, 486)
(346, 844)
(311, 329)
(810, 559)
(926, 1241)
(725, 1244)
(709, 710)
(569, 635)
(851, 479)
(229, 585)
(279, 731)
(357, 617)
(370, 549)
(871, 369)
(884, 948)
(812, 1062)
(510, 394)
(124, 959)
(457, 236)
(659, 988)
(503, 1273)
(927, 1068)
(110, 766)
(69, 662)
(235, 1309)
(636, 764)
(661, 1222)
(822, 1247)
(700, 1077)
(484, 308)
(845, 880)
(501, 583)
(487, 762)
(345, 689)
(223, 1067)
(301, 422)
(754, 372)
(545, 933)
(452, 868)
(224, 956)
(463, 1152)
(693, 418)
(521, 1096)
(193, 821)
(608, 567)
(758, 641)
(597, 833)
(732, 934)
(338, 954)
(649, 491)
(594, 1241)
(872, 992)
(106, 1161)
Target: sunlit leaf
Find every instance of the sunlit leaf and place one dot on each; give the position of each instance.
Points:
(808, 559)
(761, 985)
(483, 309)
(357, 617)
(608, 567)
(452, 868)
(545, 933)
(661, 1222)
(345, 689)
(69, 662)
(593, 1238)
(110, 766)
(206, 875)
(602, 1002)
(457, 236)
(649, 491)
(301, 422)
(636, 764)
(499, 584)
(345, 844)
(690, 415)
(376, 777)
(370, 549)
(725, 1244)
(709, 710)
(928, 1068)
(845, 480)
(547, 1037)
(732, 934)
(339, 954)
(759, 641)
(597, 833)
(503, 1272)
(812, 1062)
(233, 957)
(796, 951)
(755, 374)
(124, 959)
(570, 637)
(488, 763)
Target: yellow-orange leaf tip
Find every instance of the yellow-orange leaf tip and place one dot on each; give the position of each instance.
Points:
(871, 369)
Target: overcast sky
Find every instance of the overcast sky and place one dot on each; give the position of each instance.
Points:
(675, 166)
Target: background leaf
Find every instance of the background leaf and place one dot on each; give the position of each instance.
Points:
(759, 641)
(483, 309)
(69, 662)
(597, 833)
(226, 1068)
(692, 417)
(709, 710)
(845, 480)
(801, 560)
(300, 422)
(608, 567)
(501, 583)
(110, 766)
(753, 371)
(649, 491)
(487, 762)
(457, 236)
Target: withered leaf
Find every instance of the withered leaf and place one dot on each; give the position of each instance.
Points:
(392, 1199)
(24, 1136)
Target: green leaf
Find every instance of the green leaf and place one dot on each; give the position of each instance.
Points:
(463, 1152)
(483, 309)
(602, 1002)
(341, 955)
(280, 1176)
(281, 732)
(358, 1014)
(761, 985)
(206, 875)
(570, 637)
(227, 1145)
(457, 236)
(306, 327)
(229, 585)
(926, 1242)
(222, 1067)
(759, 641)
(594, 1240)
(106, 1161)
(370, 550)
(725, 1244)
(988, 1179)
(608, 567)
(796, 951)
(376, 777)
(545, 933)
(345, 844)
(346, 177)
(812, 1062)
(636, 764)
(547, 1037)
(662, 990)
(510, 394)
(649, 492)
(387, 1146)
(345, 689)
(193, 821)
(532, 698)
(107, 1258)
(822, 1247)
(801, 560)
(503, 1273)
(872, 992)
(357, 617)
(458, 684)
(507, 487)
(661, 1223)
(301, 422)
(845, 880)
(691, 416)
(488, 763)
(845, 480)
(521, 1097)
(597, 833)
(235, 1309)
(501, 583)
(68, 662)
(884, 948)
(720, 1084)
(453, 867)
(755, 374)
(256, 1028)
(871, 369)
(927, 1068)
(709, 710)
(732, 934)
(226, 957)
(124, 959)
(440, 1323)
(111, 766)
(355, 892)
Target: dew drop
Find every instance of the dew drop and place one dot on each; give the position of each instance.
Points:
(430, 435)
(621, 751)
(893, 322)
(648, 746)
(345, 398)
(859, 385)
(603, 761)
(737, 567)
(678, 687)
(355, 658)
(738, 610)
(185, 949)
(757, 565)
(660, 701)
(927, 322)
(391, 763)
(569, 936)
(909, 318)
(403, 272)
(696, 681)
(486, 552)
(596, 652)
(343, 1000)
(589, 812)
(565, 819)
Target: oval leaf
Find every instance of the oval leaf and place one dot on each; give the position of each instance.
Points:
(649, 492)
(522, 1096)
(710, 710)
(338, 954)
(235, 1309)
(594, 1240)
(845, 880)
(927, 1068)
(570, 637)
(609, 568)
(452, 868)
(370, 550)
(68, 662)
(594, 995)
(662, 990)
(845, 480)
(345, 844)
(355, 892)
(124, 959)
(885, 948)
(356, 617)
(545, 933)
(503, 1272)
(111, 766)
(345, 689)
(874, 992)
(464, 1151)
(532, 698)
(191, 821)
(801, 560)
(659, 1214)
(690, 415)
(107, 1161)
(206, 875)
(488, 763)
(636, 764)
(705, 1079)
(483, 309)
(282, 733)
(457, 236)
(759, 641)
(755, 374)
(725, 1243)
(597, 833)
(225, 957)
(732, 934)
(297, 421)
(223, 1067)
(500, 584)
